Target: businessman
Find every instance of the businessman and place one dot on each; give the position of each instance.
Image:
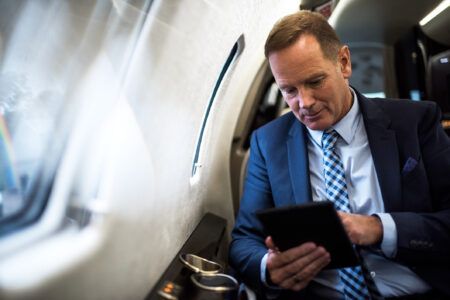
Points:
(384, 163)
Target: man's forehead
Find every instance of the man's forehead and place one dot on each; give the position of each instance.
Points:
(297, 69)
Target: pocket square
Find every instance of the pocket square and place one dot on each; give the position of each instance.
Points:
(410, 164)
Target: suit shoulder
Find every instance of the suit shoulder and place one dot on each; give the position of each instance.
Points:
(278, 127)
(403, 108)
(403, 103)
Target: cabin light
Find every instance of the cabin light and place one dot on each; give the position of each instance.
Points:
(440, 8)
(444, 60)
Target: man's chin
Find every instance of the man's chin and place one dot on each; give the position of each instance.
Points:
(314, 123)
(318, 126)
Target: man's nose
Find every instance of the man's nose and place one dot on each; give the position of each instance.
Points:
(305, 98)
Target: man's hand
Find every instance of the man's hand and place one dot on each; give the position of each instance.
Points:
(294, 268)
(362, 230)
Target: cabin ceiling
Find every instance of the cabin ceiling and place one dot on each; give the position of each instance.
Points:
(383, 21)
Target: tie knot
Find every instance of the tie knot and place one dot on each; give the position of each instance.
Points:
(329, 138)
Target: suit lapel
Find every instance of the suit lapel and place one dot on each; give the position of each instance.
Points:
(383, 145)
(298, 163)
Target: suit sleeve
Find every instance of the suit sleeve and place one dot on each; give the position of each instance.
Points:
(247, 247)
(424, 234)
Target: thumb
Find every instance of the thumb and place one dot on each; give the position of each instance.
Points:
(270, 244)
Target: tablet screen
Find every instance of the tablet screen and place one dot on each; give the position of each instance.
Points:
(316, 222)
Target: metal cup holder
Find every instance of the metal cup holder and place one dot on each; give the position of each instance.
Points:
(215, 286)
(199, 264)
(207, 281)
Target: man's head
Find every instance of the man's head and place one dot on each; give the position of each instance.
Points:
(287, 31)
(311, 68)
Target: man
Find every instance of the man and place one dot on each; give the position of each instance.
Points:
(394, 160)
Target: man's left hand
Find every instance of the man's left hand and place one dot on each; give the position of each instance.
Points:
(362, 230)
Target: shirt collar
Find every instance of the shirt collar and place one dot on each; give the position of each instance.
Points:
(346, 127)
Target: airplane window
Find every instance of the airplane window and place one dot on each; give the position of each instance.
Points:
(30, 101)
(48, 49)
(414, 95)
(234, 53)
(375, 95)
(10, 186)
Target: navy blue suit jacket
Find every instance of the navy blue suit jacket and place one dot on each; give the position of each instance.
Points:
(417, 196)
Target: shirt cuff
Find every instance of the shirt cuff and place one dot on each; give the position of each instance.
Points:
(389, 242)
(273, 290)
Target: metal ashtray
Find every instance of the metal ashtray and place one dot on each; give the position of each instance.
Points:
(199, 264)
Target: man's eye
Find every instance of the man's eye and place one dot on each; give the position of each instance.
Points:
(316, 82)
(289, 92)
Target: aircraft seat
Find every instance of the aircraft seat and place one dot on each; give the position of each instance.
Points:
(438, 84)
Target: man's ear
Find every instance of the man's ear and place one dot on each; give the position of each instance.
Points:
(345, 62)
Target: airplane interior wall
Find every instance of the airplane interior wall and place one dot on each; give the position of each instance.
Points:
(141, 99)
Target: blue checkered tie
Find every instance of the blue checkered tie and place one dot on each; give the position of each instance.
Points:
(353, 279)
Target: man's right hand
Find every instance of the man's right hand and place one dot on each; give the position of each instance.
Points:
(294, 268)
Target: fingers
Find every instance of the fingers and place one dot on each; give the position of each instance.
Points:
(304, 253)
(302, 279)
(296, 267)
(362, 230)
(350, 226)
(270, 244)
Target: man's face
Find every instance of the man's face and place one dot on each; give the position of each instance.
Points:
(315, 88)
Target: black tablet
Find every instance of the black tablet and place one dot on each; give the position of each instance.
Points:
(316, 222)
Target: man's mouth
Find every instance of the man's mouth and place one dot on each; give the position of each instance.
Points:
(311, 115)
